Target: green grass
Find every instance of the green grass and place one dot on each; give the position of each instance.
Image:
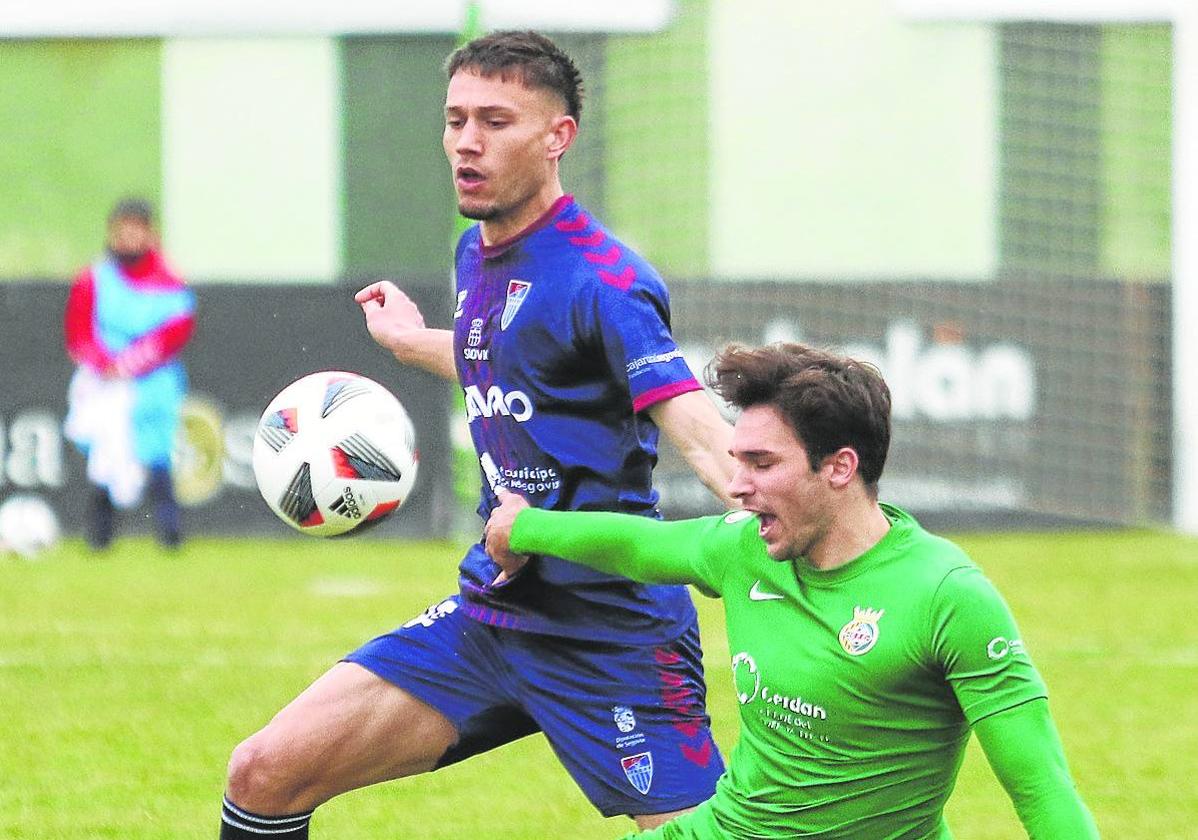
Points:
(126, 679)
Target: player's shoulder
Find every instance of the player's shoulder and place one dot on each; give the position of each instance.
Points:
(724, 530)
(735, 528)
(84, 277)
(723, 542)
(599, 257)
(165, 275)
(943, 553)
(736, 519)
(931, 556)
(470, 239)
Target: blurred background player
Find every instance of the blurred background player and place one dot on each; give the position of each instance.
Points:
(128, 316)
(563, 348)
(864, 649)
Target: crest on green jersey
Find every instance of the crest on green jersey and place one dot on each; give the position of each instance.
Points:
(861, 634)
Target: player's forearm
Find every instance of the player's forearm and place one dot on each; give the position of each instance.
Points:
(157, 347)
(694, 425)
(712, 469)
(428, 349)
(1024, 749)
(636, 547)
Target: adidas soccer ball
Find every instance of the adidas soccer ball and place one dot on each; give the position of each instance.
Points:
(28, 526)
(334, 453)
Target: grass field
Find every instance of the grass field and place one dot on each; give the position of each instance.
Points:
(126, 679)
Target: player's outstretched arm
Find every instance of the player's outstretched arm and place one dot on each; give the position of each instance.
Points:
(395, 322)
(694, 425)
(637, 547)
(1024, 749)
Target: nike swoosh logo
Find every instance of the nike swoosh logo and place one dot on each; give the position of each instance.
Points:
(755, 594)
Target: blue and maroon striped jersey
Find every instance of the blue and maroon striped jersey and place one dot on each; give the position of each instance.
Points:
(561, 340)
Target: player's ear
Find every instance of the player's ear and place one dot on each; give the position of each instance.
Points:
(841, 466)
(562, 132)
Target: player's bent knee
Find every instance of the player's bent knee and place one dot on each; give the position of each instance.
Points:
(263, 781)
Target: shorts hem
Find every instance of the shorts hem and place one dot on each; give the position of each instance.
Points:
(658, 808)
(412, 687)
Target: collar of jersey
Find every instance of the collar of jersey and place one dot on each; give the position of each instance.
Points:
(901, 526)
(149, 271)
(499, 248)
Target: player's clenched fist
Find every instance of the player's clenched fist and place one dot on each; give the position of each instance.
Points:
(391, 317)
(396, 324)
(498, 531)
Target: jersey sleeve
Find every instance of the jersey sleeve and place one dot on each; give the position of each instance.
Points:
(976, 642)
(83, 345)
(634, 326)
(691, 551)
(1024, 749)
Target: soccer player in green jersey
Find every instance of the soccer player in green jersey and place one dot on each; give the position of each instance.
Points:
(864, 649)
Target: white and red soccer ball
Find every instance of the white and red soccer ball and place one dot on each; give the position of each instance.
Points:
(334, 452)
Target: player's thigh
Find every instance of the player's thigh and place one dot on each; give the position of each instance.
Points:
(349, 729)
(457, 666)
(363, 721)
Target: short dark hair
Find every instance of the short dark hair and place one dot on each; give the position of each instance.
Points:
(828, 400)
(132, 207)
(526, 56)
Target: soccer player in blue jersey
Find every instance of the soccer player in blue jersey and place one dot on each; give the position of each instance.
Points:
(562, 346)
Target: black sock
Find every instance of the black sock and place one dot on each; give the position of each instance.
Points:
(101, 518)
(239, 824)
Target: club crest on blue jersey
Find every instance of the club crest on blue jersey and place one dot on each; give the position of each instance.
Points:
(517, 291)
(861, 634)
(639, 770)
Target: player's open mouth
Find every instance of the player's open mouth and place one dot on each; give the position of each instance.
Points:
(764, 521)
(469, 178)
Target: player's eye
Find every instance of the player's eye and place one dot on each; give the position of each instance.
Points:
(496, 123)
(454, 122)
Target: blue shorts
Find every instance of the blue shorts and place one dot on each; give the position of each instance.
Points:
(628, 722)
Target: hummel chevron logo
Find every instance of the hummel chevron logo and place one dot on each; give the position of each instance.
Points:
(755, 594)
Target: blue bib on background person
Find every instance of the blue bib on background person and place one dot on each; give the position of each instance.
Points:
(125, 311)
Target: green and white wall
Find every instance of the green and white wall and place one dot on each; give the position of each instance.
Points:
(762, 139)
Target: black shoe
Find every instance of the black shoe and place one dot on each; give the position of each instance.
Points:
(170, 537)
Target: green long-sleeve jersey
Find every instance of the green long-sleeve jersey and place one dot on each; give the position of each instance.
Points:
(857, 686)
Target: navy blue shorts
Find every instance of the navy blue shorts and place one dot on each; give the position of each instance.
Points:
(628, 722)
